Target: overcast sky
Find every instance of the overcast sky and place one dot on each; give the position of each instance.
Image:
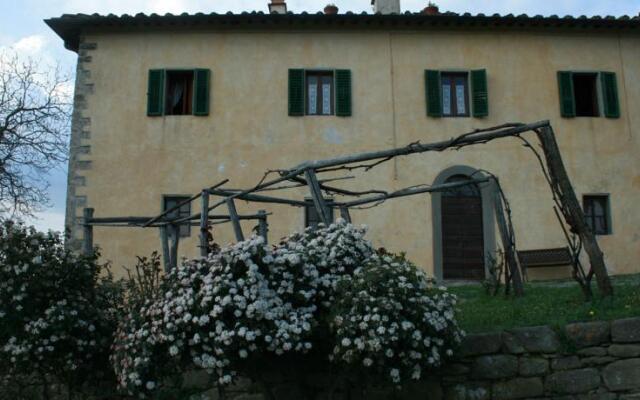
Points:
(21, 27)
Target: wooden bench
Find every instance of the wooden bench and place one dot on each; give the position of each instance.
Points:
(558, 257)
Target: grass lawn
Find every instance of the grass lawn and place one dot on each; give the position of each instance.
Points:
(553, 303)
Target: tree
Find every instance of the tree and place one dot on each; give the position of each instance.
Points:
(35, 111)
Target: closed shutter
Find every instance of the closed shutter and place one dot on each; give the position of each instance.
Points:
(201, 92)
(155, 92)
(567, 100)
(343, 92)
(296, 92)
(433, 93)
(480, 95)
(610, 94)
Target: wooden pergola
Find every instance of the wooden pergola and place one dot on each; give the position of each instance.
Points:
(308, 174)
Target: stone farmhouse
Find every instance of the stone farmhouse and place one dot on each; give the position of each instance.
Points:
(168, 104)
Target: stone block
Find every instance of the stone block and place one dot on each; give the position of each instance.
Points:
(495, 367)
(565, 363)
(531, 366)
(537, 339)
(455, 369)
(596, 361)
(467, 391)
(626, 330)
(519, 388)
(622, 375)
(592, 352)
(573, 382)
(511, 344)
(588, 334)
(624, 350)
(480, 344)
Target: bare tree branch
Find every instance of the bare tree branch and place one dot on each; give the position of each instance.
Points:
(35, 114)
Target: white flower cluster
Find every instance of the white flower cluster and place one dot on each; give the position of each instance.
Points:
(226, 313)
(54, 312)
(218, 313)
(390, 318)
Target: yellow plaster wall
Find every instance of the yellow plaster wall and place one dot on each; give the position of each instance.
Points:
(137, 158)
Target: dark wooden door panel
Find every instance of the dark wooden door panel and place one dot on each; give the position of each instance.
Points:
(462, 238)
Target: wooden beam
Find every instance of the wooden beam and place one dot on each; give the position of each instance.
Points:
(87, 239)
(318, 200)
(235, 221)
(466, 139)
(182, 203)
(412, 191)
(571, 208)
(258, 198)
(204, 224)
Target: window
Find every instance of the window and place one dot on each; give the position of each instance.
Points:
(183, 211)
(178, 92)
(596, 212)
(585, 92)
(311, 216)
(455, 94)
(313, 92)
(588, 94)
(319, 93)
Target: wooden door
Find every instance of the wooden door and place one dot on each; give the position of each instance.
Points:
(462, 232)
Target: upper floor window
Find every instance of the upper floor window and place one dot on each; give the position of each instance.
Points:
(457, 94)
(184, 211)
(178, 92)
(588, 94)
(596, 211)
(320, 92)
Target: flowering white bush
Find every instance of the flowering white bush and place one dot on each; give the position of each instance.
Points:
(390, 319)
(232, 312)
(58, 311)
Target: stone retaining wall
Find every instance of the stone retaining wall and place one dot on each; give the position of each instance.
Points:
(585, 361)
(595, 360)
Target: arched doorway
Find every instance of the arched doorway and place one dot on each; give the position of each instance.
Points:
(462, 206)
(462, 231)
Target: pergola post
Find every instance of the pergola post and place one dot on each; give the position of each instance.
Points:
(204, 223)
(316, 194)
(509, 246)
(571, 210)
(235, 221)
(263, 225)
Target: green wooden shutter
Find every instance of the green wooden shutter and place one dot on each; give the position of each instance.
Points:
(155, 92)
(343, 92)
(201, 91)
(296, 92)
(610, 94)
(433, 92)
(480, 94)
(567, 100)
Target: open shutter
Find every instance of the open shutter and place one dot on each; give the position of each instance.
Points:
(480, 95)
(433, 92)
(201, 91)
(610, 94)
(567, 100)
(155, 92)
(296, 92)
(343, 92)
